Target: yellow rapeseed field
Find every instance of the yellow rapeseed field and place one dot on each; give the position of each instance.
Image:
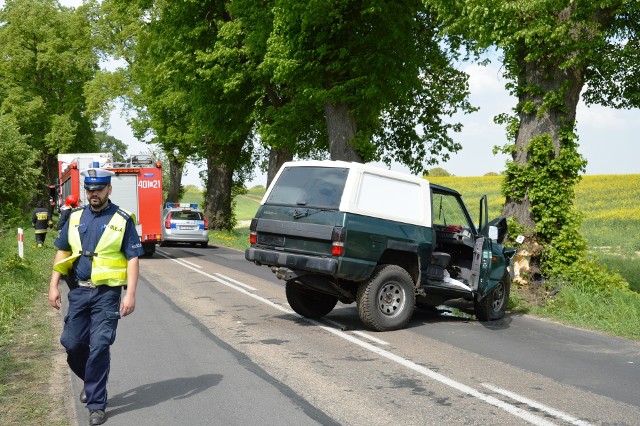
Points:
(610, 205)
(609, 197)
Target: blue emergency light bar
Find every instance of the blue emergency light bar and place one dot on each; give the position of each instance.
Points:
(192, 205)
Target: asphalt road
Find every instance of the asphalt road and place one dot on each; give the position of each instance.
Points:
(213, 341)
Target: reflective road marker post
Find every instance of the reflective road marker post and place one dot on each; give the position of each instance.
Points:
(20, 242)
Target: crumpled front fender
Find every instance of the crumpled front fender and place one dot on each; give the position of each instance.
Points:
(498, 273)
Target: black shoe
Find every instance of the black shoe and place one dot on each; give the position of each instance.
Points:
(83, 397)
(97, 417)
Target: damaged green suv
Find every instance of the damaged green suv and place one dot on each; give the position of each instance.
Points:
(350, 232)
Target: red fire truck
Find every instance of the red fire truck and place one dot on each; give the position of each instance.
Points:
(137, 188)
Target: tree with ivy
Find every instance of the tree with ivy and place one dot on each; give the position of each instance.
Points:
(551, 50)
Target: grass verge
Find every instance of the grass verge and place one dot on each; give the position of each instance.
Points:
(615, 312)
(28, 334)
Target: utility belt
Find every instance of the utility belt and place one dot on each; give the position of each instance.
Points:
(87, 283)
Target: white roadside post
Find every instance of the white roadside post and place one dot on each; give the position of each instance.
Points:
(20, 242)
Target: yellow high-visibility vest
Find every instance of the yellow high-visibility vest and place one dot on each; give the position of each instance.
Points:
(109, 264)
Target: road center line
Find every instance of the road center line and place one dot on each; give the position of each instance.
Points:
(213, 277)
(534, 404)
(370, 337)
(236, 282)
(192, 264)
(511, 409)
(359, 333)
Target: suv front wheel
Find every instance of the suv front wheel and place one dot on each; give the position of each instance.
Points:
(387, 300)
(493, 305)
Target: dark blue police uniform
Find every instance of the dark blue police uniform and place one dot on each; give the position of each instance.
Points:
(92, 318)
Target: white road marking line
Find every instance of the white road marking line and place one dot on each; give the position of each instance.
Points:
(189, 265)
(222, 279)
(509, 408)
(167, 255)
(538, 406)
(359, 333)
(234, 281)
(368, 336)
(192, 264)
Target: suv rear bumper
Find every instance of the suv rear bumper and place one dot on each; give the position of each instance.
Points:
(300, 262)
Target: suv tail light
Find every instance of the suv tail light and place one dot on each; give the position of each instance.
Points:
(337, 241)
(206, 223)
(253, 234)
(167, 221)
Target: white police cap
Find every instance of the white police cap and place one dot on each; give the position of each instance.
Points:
(96, 178)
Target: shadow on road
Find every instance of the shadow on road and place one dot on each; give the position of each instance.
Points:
(452, 312)
(155, 393)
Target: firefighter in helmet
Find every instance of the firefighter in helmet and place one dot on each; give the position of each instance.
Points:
(42, 222)
(70, 203)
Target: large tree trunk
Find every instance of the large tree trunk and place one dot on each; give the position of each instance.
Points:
(277, 157)
(217, 198)
(51, 170)
(538, 122)
(221, 163)
(176, 168)
(341, 127)
(50, 173)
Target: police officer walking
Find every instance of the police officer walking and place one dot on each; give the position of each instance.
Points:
(98, 250)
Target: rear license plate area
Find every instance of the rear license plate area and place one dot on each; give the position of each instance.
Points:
(271, 240)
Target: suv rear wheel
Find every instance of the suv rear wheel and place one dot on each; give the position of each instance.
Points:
(387, 300)
(309, 303)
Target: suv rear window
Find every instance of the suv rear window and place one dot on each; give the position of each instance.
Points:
(310, 187)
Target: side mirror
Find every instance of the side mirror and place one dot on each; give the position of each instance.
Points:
(493, 233)
(500, 226)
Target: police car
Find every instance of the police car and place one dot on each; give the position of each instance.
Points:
(184, 223)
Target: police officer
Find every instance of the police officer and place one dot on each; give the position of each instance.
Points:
(98, 250)
(42, 222)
